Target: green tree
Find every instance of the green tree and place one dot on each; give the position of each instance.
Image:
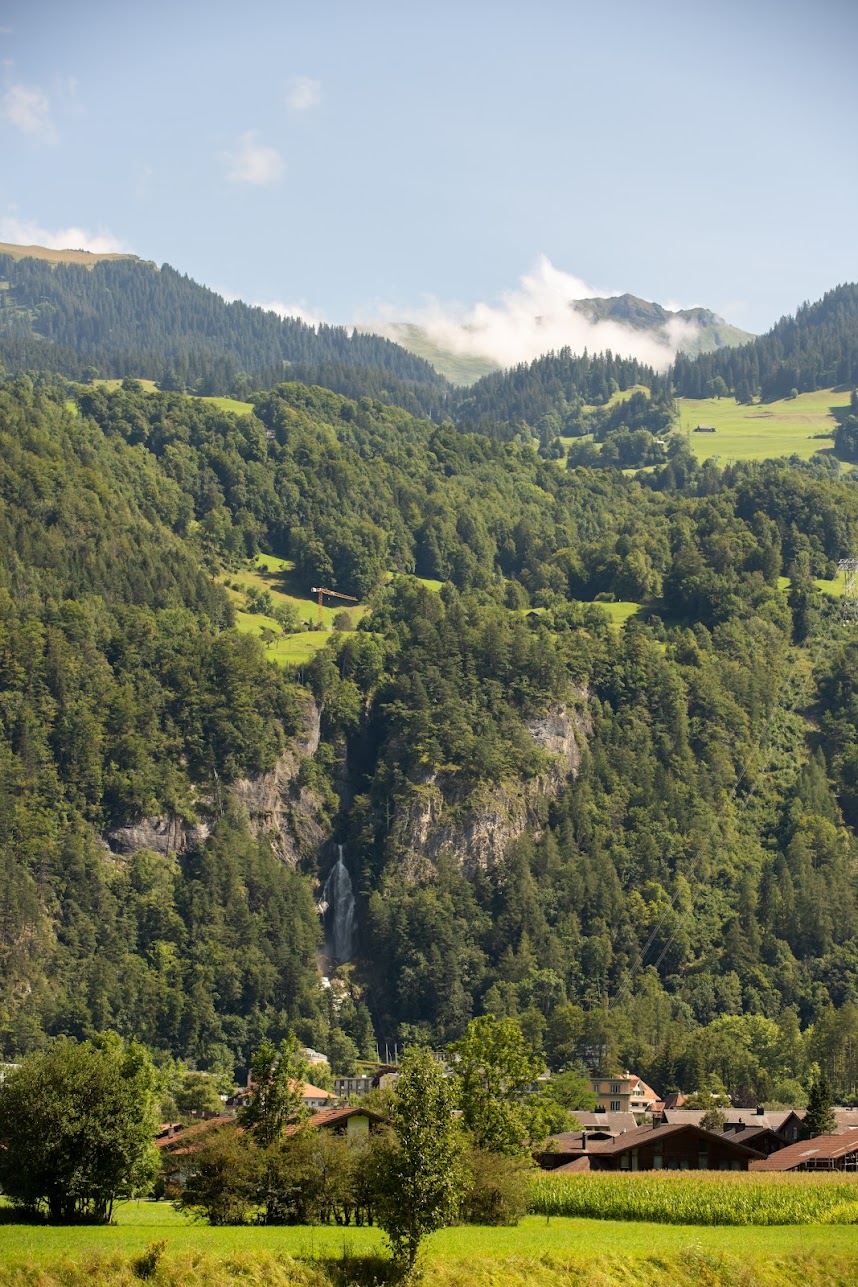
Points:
(197, 1095)
(223, 1178)
(819, 1119)
(420, 1177)
(76, 1128)
(495, 1068)
(277, 1076)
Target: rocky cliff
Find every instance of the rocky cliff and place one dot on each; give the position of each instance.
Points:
(474, 828)
(279, 805)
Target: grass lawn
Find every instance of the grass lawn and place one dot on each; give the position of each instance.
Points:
(798, 426)
(620, 611)
(139, 1223)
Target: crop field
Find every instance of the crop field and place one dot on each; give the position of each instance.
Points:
(799, 426)
(152, 1241)
(707, 1198)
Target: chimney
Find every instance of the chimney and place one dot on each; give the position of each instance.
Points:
(761, 1112)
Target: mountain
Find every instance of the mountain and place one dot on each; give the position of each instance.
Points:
(76, 314)
(693, 330)
(538, 810)
(698, 331)
(817, 348)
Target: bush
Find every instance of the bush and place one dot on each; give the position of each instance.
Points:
(499, 1190)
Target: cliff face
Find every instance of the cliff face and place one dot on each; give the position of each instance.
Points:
(279, 807)
(441, 817)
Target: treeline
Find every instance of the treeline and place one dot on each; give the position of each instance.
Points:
(558, 385)
(125, 317)
(815, 349)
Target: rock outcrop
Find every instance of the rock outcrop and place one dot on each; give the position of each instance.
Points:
(278, 805)
(475, 827)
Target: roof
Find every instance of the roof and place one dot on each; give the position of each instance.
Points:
(774, 1119)
(747, 1134)
(646, 1091)
(333, 1117)
(846, 1118)
(615, 1123)
(825, 1148)
(647, 1134)
(176, 1143)
(309, 1091)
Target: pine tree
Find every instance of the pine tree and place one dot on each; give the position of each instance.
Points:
(820, 1119)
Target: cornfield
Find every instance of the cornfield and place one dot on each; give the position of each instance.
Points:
(695, 1198)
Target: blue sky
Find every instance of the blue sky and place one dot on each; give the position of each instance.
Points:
(361, 159)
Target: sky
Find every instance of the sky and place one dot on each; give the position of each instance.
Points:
(365, 161)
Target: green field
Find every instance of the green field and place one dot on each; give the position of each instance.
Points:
(277, 577)
(542, 1252)
(799, 426)
(225, 404)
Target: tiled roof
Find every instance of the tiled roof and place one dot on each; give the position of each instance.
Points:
(825, 1148)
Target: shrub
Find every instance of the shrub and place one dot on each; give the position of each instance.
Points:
(499, 1188)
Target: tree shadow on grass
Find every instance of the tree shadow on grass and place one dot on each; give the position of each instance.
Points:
(353, 1270)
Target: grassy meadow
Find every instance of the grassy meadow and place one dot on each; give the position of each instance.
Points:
(799, 426)
(152, 1241)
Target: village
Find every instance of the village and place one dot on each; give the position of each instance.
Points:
(633, 1128)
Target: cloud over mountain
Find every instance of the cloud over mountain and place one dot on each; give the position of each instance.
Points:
(540, 315)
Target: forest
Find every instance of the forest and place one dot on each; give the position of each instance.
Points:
(680, 897)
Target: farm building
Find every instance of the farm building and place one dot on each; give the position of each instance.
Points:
(705, 429)
(785, 1122)
(825, 1153)
(649, 1148)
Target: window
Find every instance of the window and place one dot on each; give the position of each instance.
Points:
(616, 1106)
(615, 1088)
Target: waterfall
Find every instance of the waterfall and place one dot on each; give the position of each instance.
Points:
(341, 916)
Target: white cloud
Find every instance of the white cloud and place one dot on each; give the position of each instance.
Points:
(311, 316)
(536, 318)
(254, 162)
(304, 93)
(28, 108)
(23, 233)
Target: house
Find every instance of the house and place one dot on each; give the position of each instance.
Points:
(705, 429)
(785, 1122)
(623, 1094)
(654, 1148)
(357, 1124)
(313, 1096)
(352, 1087)
(825, 1153)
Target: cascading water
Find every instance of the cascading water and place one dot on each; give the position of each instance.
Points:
(340, 915)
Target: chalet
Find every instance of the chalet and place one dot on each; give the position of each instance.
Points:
(705, 429)
(825, 1153)
(356, 1124)
(654, 1148)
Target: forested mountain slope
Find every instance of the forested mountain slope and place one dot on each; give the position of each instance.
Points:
(815, 349)
(678, 797)
(125, 317)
